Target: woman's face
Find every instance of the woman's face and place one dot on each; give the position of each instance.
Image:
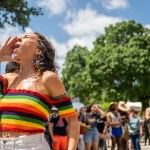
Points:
(83, 110)
(26, 47)
(94, 108)
(114, 107)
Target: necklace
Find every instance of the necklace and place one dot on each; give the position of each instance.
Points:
(26, 75)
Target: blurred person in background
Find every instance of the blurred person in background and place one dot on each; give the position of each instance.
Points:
(12, 67)
(123, 109)
(102, 127)
(81, 145)
(47, 133)
(147, 124)
(114, 121)
(135, 129)
(147, 111)
(58, 131)
(91, 136)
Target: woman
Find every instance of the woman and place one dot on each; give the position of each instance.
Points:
(135, 129)
(91, 136)
(81, 146)
(123, 109)
(114, 121)
(27, 96)
(102, 126)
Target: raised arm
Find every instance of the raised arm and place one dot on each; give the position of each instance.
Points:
(6, 50)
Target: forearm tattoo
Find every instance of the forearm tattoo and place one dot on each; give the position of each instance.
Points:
(60, 97)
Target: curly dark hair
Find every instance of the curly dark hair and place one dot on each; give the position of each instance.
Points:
(46, 60)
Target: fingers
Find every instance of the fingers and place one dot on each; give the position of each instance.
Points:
(12, 42)
(7, 41)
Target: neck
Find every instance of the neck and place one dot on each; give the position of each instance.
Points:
(90, 113)
(26, 69)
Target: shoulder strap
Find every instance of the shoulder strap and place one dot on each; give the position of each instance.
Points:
(65, 122)
(111, 114)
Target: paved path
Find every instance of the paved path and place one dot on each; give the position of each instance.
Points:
(143, 147)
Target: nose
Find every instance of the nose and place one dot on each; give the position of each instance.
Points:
(19, 38)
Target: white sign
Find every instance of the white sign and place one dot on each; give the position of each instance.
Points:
(137, 106)
(76, 99)
(76, 103)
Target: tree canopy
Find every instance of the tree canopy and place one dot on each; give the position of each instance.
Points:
(15, 12)
(73, 71)
(118, 66)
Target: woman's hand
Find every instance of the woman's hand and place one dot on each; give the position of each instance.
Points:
(92, 120)
(88, 127)
(6, 50)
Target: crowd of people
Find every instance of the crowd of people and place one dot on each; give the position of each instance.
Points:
(120, 127)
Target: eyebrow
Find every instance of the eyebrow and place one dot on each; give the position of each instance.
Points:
(28, 35)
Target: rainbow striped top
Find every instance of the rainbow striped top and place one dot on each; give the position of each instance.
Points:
(28, 111)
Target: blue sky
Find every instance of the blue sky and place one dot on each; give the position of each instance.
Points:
(70, 22)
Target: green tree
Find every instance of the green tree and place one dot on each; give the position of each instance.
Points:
(116, 69)
(119, 63)
(73, 72)
(15, 12)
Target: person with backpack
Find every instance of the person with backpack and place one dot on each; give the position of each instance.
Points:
(58, 132)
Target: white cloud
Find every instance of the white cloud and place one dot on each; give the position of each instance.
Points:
(28, 30)
(115, 4)
(70, 14)
(8, 31)
(88, 22)
(83, 27)
(11, 31)
(53, 6)
(147, 26)
(85, 41)
(61, 48)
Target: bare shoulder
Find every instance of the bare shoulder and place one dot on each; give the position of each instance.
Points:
(53, 84)
(108, 115)
(9, 77)
(51, 77)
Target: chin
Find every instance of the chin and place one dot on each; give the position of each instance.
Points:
(15, 57)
